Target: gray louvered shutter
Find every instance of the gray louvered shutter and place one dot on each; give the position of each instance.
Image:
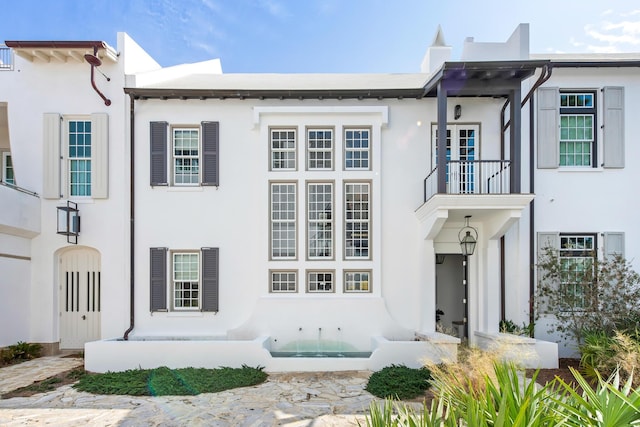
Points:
(613, 123)
(159, 153)
(548, 240)
(51, 128)
(158, 274)
(613, 244)
(548, 116)
(210, 294)
(210, 157)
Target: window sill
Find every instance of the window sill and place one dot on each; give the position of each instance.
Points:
(187, 189)
(185, 314)
(569, 169)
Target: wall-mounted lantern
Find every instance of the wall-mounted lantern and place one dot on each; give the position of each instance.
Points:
(69, 222)
(467, 239)
(457, 112)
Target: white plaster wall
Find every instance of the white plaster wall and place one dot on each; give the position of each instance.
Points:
(15, 287)
(35, 88)
(593, 199)
(234, 217)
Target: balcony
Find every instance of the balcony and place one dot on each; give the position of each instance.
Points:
(471, 177)
(20, 215)
(6, 58)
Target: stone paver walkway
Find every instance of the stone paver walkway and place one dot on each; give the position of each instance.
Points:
(285, 399)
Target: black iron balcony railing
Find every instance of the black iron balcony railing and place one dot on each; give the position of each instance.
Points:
(471, 177)
(6, 58)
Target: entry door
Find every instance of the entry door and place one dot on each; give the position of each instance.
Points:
(79, 297)
(462, 151)
(451, 298)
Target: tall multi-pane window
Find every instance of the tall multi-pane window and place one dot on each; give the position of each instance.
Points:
(577, 136)
(357, 213)
(577, 262)
(357, 149)
(186, 280)
(283, 220)
(7, 169)
(80, 157)
(186, 164)
(320, 281)
(283, 149)
(320, 149)
(284, 281)
(320, 220)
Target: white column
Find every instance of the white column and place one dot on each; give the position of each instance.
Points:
(490, 317)
(428, 287)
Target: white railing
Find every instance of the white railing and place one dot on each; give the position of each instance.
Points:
(6, 58)
(471, 177)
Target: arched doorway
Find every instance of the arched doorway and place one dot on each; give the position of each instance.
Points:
(79, 280)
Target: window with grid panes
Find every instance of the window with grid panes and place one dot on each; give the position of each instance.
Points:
(577, 263)
(79, 134)
(186, 162)
(357, 281)
(283, 220)
(7, 169)
(320, 281)
(357, 149)
(319, 149)
(284, 281)
(186, 280)
(320, 220)
(283, 149)
(577, 135)
(357, 219)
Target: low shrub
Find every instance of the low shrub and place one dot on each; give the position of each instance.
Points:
(20, 352)
(400, 382)
(604, 354)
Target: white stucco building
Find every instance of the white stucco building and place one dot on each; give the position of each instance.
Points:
(267, 218)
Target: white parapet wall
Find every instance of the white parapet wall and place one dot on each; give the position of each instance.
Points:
(529, 352)
(212, 352)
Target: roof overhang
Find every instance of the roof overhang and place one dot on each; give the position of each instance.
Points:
(491, 78)
(62, 51)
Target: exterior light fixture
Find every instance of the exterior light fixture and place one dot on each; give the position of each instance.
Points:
(468, 237)
(69, 222)
(457, 112)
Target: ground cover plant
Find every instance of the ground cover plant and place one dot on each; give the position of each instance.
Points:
(171, 382)
(400, 382)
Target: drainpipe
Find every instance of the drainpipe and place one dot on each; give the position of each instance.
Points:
(545, 75)
(131, 218)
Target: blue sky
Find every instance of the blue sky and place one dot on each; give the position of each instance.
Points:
(302, 36)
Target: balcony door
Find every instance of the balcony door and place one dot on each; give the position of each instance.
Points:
(463, 142)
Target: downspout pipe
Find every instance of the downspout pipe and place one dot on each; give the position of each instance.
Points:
(131, 217)
(106, 100)
(545, 75)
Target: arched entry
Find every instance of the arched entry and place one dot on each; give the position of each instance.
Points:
(79, 291)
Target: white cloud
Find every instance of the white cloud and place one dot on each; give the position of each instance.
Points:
(275, 8)
(619, 33)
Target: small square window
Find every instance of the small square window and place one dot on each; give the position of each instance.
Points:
(284, 281)
(320, 281)
(357, 281)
